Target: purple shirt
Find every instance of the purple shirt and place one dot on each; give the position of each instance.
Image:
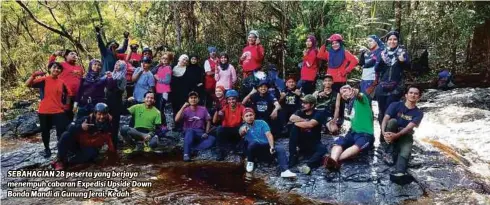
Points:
(196, 119)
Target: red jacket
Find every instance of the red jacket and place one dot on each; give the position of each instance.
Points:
(232, 118)
(96, 140)
(255, 55)
(71, 75)
(309, 73)
(339, 74)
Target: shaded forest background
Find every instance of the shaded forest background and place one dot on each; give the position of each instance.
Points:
(456, 35)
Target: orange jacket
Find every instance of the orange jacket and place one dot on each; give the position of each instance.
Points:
(339, 74)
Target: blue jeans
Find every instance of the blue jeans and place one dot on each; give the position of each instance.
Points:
(193, 140)
(262, 152)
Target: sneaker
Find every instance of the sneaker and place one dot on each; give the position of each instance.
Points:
(305, 169)
(187, 158)
(146, 148)
(287, 174)
(331, 164)
(58, 166)
(249, 167)
(46, 153)
(128, 151)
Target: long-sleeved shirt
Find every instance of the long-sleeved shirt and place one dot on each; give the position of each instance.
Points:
(108, 57)
(339, 74)
(72, 75)
(309, 73)
(254, 57)
(94, 91)
(225, 78)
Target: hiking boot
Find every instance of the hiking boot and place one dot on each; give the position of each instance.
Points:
(401, 178)
(187, 158)
(46, 153)
(305, 169)
(147, 148)
(128, 151)
(288, 174)
(249, 167)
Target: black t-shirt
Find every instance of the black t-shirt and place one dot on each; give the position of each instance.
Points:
(263, 105)
(316, 115)
(291, 101)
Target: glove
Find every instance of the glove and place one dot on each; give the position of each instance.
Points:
(37, 73)
(160, 48)
(97, 29)
(126, 34)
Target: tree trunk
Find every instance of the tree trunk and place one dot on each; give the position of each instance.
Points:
(178, 27)
(479, 52)
(398, 15)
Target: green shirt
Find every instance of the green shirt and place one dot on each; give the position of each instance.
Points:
(144, 117)
(363, 116)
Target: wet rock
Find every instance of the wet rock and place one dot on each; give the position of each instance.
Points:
(23, 125)
(22, 104)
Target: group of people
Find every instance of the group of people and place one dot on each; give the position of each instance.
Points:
(211, 111)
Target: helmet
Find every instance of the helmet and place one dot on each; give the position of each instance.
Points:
(101, 107)
(147, 49)
(335, 37)
(133, 42)
(231, 93)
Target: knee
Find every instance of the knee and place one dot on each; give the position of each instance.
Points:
(279, 149)
(124, 130)
(392, 125)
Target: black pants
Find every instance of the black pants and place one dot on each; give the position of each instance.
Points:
(309, 146)
(70, 151)
(228, 136)
(59, 120)
(114, 101)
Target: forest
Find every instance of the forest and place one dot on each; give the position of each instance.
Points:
(451, 35)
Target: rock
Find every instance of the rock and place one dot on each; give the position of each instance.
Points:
(23, 125)
(21, 104)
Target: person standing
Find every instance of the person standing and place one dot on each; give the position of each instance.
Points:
(252, 55)
(52, 106)
(369, 61)
(225, 74)
(309, 68)
(114, 95)
(110, 50)
(340, 61)
(210, 66)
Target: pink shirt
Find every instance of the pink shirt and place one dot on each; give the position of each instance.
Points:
(161, 73)
(225, 78)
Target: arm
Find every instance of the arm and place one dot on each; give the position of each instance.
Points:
(167, 79)
(260, 52)
(100, 43)
(270, 139)
(216, 74)
(233, 75)
(208, 125)
(337, 108)
(216, 117)
(323, 53)
(52, 58)
(128, 57)
(247, 98)
(383, 124)
(309, 59)
(136, 75)
(294, 118)
(180, 114)
(307, 125)
(124, 47)
(352, 62)
(405, 130)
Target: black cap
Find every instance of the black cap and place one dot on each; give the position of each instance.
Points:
(193, 93)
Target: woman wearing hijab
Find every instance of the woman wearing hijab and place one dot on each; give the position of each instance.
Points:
(393, 60)
(179, 84)
(253, 54)
(91, 89)
(225, 74)
(309, 68)
(340, 61)
(194, 76)
(369, 60)
(114, 97)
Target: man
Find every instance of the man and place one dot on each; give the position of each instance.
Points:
(265, 105)
(231, 116)
(147, 120)
(290, 98)
(360, 137)
(110, 50)
(143, 79)
(306, 134)
(196, 136)
(260, 143)
(397, 129)
(81, 143)
(330, 104)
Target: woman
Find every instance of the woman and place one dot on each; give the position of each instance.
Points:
(52, 106)
(309, 68)
(393, 60)
(91, 89)
(369, 60)
(194, 76)
(210, 66)
(225, 74)
(114, 97)
(163, 78)
(340, 61)
(253, 54)
(179, 83)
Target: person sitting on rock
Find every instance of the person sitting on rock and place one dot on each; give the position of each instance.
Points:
(147, 120)
(82, 142)
(265, 106)
(397, 129)
(445, 80)
(197, 122)
(330, 105)
(219, 99)
(360, 137)
(260, 143)
(231, 116)
(290, 98)
(52, 106)
(306, 134)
